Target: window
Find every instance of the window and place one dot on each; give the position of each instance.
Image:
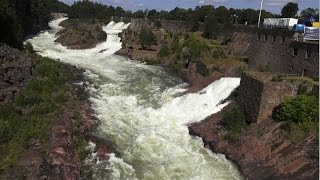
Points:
(283, 39)
(308, 54)
(274, 38)
(304, 72)
(266, 37)
(295, 51)
(259, 37)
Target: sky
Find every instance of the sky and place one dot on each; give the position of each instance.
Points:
(274, 6)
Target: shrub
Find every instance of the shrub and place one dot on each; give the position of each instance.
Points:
(147, 38)
(164, 51)
(299, 109)
(276, 79)
(31, 113)
(234, 119)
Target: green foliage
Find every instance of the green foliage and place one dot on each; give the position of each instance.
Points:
(276, 79)
(30, 115)
(147, 38)
(211, 26)
(310, 12)
(234, 119)
(91, 10)
(195, 48)
(20, 18)
(158, 24)
(299, 109)
(297, 132)
(164, 51)
(290, 10)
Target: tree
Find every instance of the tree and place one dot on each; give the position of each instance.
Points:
(222, 14)
(211, 26)
(147, 38)
(290, 10)
(310, 12)
(203, 11)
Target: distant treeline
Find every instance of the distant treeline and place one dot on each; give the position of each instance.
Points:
(88, 9)
(20, 18)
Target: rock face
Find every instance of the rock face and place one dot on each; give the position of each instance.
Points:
(262, 151)
(16, 70)
(78, 35)
(62, 159)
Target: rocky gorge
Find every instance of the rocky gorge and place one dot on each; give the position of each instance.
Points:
(263, 149)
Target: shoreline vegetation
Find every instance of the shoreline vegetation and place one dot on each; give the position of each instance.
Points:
(45, 123)
(43, 133)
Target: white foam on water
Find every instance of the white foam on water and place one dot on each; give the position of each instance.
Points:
(142, 110)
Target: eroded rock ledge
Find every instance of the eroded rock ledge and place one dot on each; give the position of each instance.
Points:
(262, 151)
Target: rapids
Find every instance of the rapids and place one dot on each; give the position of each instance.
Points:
(143, 110)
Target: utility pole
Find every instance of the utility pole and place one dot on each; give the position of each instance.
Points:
(260, 13)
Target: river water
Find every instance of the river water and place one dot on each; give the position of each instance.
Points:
(143, 110)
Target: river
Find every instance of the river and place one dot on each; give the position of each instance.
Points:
(143, 110)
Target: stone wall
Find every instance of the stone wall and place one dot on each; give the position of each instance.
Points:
(249, 97)
(258, 97)
(168, 25)
(277, 51)
(176, 26)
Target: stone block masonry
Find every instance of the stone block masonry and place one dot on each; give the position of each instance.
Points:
(258, 98)
(277, 51)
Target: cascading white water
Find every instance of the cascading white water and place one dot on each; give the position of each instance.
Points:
(142, 110)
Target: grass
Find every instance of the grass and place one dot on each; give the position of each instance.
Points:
(32, 113)
(296, 133)
(234, 122)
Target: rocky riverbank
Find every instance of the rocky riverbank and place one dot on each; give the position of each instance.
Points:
(49, 100)
(81, 35)
(262, 150)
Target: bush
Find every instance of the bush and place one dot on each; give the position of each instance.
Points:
(299, 109)
(164, 51)
(297, 132)
(234, 119)
(147, 38)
